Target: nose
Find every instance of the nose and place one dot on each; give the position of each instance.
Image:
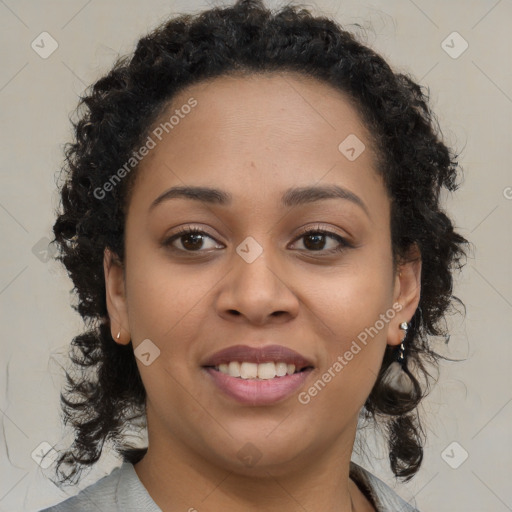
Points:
(258, 292)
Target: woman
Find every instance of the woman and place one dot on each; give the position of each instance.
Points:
(251, 220)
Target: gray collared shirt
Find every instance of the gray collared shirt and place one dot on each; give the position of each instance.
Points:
(122, 491)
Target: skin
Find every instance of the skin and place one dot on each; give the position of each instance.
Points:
(254, 137)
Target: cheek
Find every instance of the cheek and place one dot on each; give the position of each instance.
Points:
(352, 361)
(166, 306)
(353, 298)
(356, 310)
(165, 301)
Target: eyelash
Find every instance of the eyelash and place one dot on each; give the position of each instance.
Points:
(343, 243)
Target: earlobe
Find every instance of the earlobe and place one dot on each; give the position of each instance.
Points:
(116, 298)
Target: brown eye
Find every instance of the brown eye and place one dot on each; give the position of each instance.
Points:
(191, 240)
(315, 241)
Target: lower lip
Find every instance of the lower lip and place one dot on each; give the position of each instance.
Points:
(258, 392)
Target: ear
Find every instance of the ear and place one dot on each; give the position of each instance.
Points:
(406, 292)
(116, 297)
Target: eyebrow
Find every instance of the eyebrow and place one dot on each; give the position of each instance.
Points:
(292, 197)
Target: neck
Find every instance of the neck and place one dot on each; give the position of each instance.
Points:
(179, 478)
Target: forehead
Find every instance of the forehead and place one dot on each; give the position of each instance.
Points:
(259, 133)
(283, 98)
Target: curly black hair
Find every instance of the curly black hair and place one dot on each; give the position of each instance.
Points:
(114, 117)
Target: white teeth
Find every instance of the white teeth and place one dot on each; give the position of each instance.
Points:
(233, 369)
(248, 370)
(281, 369)
(263, 371)
(267, 370)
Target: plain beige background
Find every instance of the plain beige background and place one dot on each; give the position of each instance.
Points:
(472, 96)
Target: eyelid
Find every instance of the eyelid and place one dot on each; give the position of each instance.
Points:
(317, 227)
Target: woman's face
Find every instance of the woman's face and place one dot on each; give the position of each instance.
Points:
(269, 145)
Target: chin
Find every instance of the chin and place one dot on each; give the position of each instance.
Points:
(259, 452)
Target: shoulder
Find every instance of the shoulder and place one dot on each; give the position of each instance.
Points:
(121, 490)
(383, 497)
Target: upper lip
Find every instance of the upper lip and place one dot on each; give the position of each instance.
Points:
(245, 353)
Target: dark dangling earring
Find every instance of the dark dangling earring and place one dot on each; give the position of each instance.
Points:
(396, 376)
(401, 349)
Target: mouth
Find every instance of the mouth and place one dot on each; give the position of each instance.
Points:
(269, 362)
(258, 376)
